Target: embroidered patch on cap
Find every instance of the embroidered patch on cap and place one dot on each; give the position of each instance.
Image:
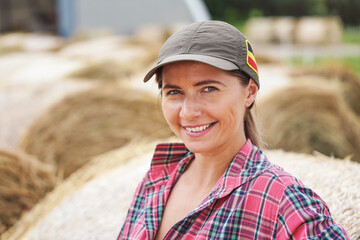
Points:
(250, 59)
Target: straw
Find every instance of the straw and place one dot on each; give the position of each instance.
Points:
(308, 117)
(92, 122)
(24, 181)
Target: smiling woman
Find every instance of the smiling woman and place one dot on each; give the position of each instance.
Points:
(218, 184)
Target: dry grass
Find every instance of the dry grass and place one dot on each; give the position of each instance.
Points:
(98, 167)
(24, 181)
(110, 70)
(87, 124)
(309, 117)
(10, 49)
(107, 70)
(347, 79)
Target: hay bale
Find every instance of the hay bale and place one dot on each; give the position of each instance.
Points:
(260, 29)
(122, 50)
(347, 79)
(113, 70)
(29, 42)
(152, 34)
(309, 117)
(115, 59)
(284, 29)
(336, 180)
(35, 68)
(21, 105)
(107, 70)
(87, 124)
(318, 30)
(110, 179)
(24, 181)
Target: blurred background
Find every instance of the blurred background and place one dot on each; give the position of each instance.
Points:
(78, 126)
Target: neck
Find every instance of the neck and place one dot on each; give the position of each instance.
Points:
(206, 169)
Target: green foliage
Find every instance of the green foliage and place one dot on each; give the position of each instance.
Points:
(235, 10)
(351, 35)
(354, 62)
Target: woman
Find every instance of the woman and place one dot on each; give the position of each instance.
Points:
(218, 184)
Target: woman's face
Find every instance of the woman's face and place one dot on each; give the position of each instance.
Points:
(205, 106)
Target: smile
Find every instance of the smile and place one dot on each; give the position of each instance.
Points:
(199, 128)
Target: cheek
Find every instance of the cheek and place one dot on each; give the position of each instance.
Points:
(169, 111)
(234, 111)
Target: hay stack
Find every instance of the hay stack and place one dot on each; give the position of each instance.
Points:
(93, 122)
(347, 79)
(309, 117)
(110, 179)
(29, 42)
(34, 69)
(318, 30)
(24, 181)
(94, 200)
(21, 105)
(117, 60)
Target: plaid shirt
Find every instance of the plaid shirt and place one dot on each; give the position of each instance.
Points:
(254, 199)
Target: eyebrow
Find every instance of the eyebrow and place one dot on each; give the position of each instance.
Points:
(205, 82)
(201, 83)
(169, 86)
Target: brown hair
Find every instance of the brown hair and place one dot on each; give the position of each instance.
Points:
(250, 125)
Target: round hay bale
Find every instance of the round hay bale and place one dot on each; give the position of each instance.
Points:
(23, 104)
(110, 179)
(309, 117)
(116, 61)
(24, 181)
(349, 81)
(336, 181)
(260, 29)
(107, 70)
(29, 42)
(318, 30)
(92, 122)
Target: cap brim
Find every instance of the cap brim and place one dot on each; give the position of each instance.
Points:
(213, 61)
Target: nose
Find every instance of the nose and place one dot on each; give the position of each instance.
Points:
(190, 108)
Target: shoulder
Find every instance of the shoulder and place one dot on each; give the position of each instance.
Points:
(269, 172)
(278, 183)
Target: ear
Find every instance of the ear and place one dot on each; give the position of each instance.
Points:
(251, 90)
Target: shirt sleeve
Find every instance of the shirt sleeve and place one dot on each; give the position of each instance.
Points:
(133, 212)
(304, 215)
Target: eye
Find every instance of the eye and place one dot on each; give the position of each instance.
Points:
(210, 89)
(173, 92)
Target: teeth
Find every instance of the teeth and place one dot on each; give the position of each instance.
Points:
(198, 129)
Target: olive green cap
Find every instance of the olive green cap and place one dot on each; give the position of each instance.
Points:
(215, 43)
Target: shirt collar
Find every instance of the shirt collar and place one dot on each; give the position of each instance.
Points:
(248, 163)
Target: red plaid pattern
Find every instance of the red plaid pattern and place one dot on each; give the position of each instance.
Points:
(254, 199)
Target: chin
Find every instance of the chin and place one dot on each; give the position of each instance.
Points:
(197, 147)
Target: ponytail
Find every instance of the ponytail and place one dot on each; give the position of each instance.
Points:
(251, 130)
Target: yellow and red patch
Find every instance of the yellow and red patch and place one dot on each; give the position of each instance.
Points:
(250, 59)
